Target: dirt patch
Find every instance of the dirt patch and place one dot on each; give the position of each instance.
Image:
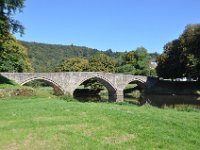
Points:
(47, 118)
(83, 114)
(12, 146)
(118, 139)
(28, 140)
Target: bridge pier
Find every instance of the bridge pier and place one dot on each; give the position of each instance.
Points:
(68, 92)
(120, 96)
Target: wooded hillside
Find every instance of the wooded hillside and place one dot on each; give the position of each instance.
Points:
(46, 57)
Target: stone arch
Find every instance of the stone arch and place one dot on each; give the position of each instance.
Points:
(57, 88)
(131, 94)
(139, 82)
(109, 86)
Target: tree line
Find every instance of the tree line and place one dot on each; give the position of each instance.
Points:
(52, 57)
(133, 62)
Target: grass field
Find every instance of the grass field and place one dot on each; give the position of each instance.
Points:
(52, 123)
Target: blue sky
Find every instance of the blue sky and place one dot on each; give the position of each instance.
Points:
(120, 25)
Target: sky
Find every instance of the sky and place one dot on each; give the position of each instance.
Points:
(120, 25)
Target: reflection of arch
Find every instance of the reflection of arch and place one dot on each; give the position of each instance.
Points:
(111, 89)
(52, 83)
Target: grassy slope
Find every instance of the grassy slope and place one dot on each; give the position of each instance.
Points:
(51, 123)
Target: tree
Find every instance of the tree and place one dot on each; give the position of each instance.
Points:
(7, 9)
(191, 38)
(74, 65)
(171, 64)
(130, 58)
(127, 68)
(101, 62)
(181, 57)
(142, 58)
(13, 56)
(135, 62)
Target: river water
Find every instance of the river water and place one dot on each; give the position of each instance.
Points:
(160, 101)
(171, 100)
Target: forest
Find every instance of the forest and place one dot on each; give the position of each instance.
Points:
(52, 57)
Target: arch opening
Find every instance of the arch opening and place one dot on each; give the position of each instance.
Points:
(43, 87)
(95, 89)
(133, 92)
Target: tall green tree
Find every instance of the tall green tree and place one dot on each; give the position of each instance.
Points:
(13, 56)
(191, 38)
(143, 59)
(181, 57)
(172, 63)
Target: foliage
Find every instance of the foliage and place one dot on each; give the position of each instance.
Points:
(130, 58)
(47, 57)
(98, 62)
(181, 57)
(13, 56)
(74, 65)
(126, 68)
(101, 62)
(154, 55)
(7, 9)
(135, 62)
(142, 58)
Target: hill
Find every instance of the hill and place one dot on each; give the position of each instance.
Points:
(45, 57)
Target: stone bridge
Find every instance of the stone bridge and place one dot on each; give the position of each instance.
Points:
(68, 82)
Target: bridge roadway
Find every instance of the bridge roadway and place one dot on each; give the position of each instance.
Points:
(68, 82)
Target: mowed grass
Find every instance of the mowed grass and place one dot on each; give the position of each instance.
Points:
(51, 123)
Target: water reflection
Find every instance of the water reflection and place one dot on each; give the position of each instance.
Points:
(140, 99)
(89, 95)
(171, 100)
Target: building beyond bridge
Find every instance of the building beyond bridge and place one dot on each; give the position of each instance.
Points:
(68, 82)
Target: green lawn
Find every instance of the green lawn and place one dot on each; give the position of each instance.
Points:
(53, 123)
